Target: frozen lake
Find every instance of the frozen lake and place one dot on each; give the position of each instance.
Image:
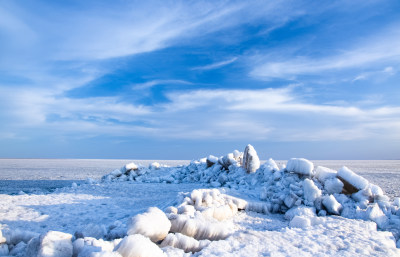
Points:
(32, 175)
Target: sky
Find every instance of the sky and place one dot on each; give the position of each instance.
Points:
(185, 79)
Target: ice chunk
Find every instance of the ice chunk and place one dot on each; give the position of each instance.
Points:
(105, 254)
(323, 173)
(55, 244)
(154, 166)
(116, 173)
(375, 214)
(352, 182)
(333, 185)
(269, 167)
(396, 201)
(300, 222)
(376, 190)
(200, 228)
(2, 239)
(4, 250)
(251, 162)
(311, 191)
(153, 224)
(91, 230)
(188, 244)
(18, 250)
(300, 166)
(211, 160)
(332, 205)
(138, 246)
(129, 167)
(300, 211)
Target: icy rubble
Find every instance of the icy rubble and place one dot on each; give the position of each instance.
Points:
(328, 191)
(204, 217)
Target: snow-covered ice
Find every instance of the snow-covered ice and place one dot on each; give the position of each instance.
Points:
(255, 210)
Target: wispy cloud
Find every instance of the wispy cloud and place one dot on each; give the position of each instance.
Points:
(360, 55)
(152, 83)
(216, 65)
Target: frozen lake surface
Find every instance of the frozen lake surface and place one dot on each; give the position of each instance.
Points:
(38, 196)
(32, 175)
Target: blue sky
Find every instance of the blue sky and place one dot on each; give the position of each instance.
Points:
(184, 79)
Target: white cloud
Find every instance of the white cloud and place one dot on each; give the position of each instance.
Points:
(375, 52)
(216, 65)
(152, 83)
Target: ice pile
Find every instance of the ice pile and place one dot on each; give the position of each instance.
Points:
(207, 219)
(299, 183)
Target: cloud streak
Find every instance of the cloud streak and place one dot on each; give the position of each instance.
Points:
(216, 65)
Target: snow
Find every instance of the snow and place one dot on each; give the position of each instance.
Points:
(157, 210)
(347, 175)
(153, 224)
(55, 244)
(300, 166)
(311, 191)
(251, 162)
(332, 205)
(138, 246)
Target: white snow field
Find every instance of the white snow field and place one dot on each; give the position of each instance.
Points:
(232, 205)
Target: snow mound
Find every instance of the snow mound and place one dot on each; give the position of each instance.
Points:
(138, 246)
(153, 224)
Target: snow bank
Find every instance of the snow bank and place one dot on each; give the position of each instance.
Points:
(138, 246)
(153, 224)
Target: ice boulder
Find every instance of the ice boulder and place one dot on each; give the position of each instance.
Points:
(332, 205)
(323, 173)
(300, 166)
(154, 166)
(211, 160)
(138, 246)
(300, 222)
(333, 186)
(91, 230)
(352, 182)
(251, 162)
(3, 250)
(55, 244)
(186, 243)
(105, 254)
(300, 211)
(375, 214)
(153, 223)
(2, 239)
(311, 191)
(128, 167)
